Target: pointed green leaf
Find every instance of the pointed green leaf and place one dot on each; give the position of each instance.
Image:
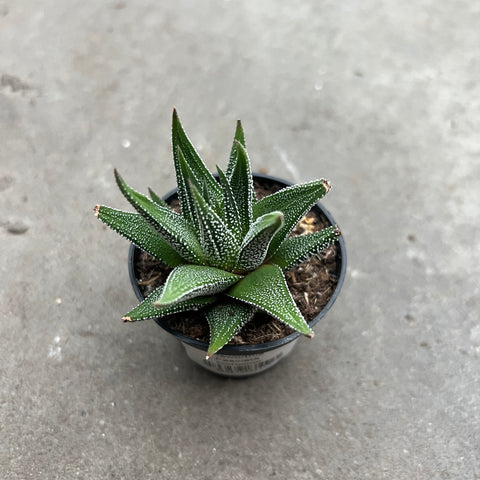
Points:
(146, 310)
(170, 225)
(266, 289)
(181, 142)
(255, 245)
(225, 321)
(230, 213)
(296, 250)
(189, 281)
(187, 178)
(216, 204)
(294, 201)
(135, 228)
(241, 182)
(219, 245)
(239, 137)
(156, 198)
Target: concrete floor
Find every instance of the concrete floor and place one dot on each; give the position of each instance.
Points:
(380, 97)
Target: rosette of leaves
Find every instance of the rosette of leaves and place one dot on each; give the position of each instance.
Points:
(228, 251)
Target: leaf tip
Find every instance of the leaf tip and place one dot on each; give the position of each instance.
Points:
(118, 178)
(311, 334)
(127, 319)
(176, 119)
(278, 216)
(337, 231)
(326, 184)
(97, 210)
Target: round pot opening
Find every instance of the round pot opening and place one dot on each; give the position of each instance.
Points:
(244, 360)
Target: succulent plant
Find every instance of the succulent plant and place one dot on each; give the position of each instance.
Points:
(228, 251)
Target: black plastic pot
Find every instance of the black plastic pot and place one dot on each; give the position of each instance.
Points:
(244, 360)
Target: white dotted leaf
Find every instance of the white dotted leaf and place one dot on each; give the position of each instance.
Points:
(201, 172)
(241, 182)
(135, 228)
(255, 245)
(219, 245)
(176, 231)
(296, 250)
(231, 214)
(187, 178)
(239, 137)
(294, 201)
(225, 321)
(158, 200)
(189, 281)
(266, 289)
(146, 310)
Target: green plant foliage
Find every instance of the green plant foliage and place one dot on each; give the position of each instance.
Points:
(156, 198)
(149, 309)
(266, 289)
(255, 244)
(228, 252)
(133, 227)
(226, 319)
(190, 281)
(295, 250)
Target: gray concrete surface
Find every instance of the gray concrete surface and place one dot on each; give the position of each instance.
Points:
(382, 98)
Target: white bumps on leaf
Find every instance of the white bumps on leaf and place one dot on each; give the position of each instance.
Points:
(189, 281)
(266, 289)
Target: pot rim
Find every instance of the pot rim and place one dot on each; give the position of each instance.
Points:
(261, 347)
